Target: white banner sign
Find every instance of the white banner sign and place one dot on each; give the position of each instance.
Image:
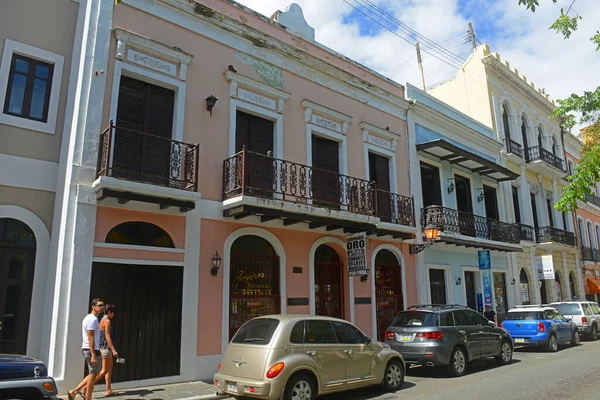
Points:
(356, 247)
(545, 267)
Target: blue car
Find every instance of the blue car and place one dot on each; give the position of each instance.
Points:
(23, 377)
(541, 326)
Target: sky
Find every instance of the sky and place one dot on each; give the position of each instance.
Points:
(378, 41)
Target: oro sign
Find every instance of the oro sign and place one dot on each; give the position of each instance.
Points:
(356, 248)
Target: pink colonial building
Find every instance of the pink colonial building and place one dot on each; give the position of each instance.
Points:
(218, 162)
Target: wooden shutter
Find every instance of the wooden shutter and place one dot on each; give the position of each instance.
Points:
(242, 131)
(130, 109)
(379, 171)
(159, 111)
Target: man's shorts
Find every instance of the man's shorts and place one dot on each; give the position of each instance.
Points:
(93, 368)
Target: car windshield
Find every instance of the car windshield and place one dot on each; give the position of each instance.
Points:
(568, 309)
(256, 331)
(415, 318)
(524, 315)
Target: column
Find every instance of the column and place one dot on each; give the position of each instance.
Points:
(579, 277)
(191, 297)
(558, 221)
(498, 119)
(567, 289)
(535, 296)
(73, 235)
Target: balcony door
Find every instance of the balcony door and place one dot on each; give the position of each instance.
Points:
(142, 144)
(379, 172)
(255, 134)
(536, 224)
(430, 185)
(437, 286)
(491, 203)
(464, 204)
(516, 205)
(325, 172)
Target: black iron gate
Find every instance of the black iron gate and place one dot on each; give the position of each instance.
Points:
(254, 288)
(329, 289)
(437, 286)
(388, 295)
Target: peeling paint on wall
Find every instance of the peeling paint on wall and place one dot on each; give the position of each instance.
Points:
(270, 74)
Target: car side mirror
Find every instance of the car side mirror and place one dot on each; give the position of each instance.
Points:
(367, 340)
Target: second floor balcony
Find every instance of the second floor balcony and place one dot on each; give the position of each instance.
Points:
(493, 234)
(588, 254)
(513, 147)
(153, 165)
(539, 154)
(260, 176)
(527, 232)
(550, 234)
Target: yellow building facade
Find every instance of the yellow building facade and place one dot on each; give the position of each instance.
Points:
(490, 90)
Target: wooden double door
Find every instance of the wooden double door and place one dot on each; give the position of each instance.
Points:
(147, 322)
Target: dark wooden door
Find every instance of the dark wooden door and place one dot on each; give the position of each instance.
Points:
(470, 290)
(147, 323)
(464, 204)
(256, 135)
(16, 283)
(389, 299)
(379, 172)
(430, 185)
(142, 146)
(329, 287)
(325, 172)
(437, 286)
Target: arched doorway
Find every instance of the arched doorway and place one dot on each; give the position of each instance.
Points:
(17, 264)
(572, 286)
(544, 295)
(254, 281)
(524, 287)
(558, 285)
(329, 285)
(389, 297)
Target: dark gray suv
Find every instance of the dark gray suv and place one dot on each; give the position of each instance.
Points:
(449, 335)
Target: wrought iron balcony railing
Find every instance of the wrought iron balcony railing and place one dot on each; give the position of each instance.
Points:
(547, 234)
(458, 222)
(539, 153)
(137, 156)
(513, 147)
(588, 254)
(593, 199)
(527, 233)
(259, 175)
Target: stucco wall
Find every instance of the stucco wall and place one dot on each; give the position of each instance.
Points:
(41, 203)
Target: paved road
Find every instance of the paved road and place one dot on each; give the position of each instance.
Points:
(570, 373)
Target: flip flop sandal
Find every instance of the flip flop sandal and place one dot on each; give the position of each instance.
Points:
(82, 395)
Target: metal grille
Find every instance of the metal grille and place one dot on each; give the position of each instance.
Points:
(388, 295)
(329, 289)
(437, 285)
(514, 147)
(254, 288)
(539, 153)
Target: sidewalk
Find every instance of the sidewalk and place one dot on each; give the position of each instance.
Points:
(177, 391)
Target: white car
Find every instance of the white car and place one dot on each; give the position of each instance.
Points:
(585, 314)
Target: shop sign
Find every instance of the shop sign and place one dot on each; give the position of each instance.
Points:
(545, 267)
(356, 248)
(485, 260)
(488, 293)
(479, 302)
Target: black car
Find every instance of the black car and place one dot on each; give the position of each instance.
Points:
(23, 377)
(447, 335)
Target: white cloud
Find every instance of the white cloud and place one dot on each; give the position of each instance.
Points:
(521, 37)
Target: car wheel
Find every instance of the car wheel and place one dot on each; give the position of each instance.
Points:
(458, 362)
(299, 387)
(594, 333)
(552, 343)
(393, 378)
(506, 353)
(576, 339)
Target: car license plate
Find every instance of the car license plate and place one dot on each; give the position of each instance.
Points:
(519, 340)
(232, 387)
(406, 338)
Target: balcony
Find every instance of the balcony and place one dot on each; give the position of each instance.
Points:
(550, 234)
(153, 165)
(588, 254)
(459, 223)
(527, 233)
(281, 189)
(513, 147)
(593, 199)
(537, 154)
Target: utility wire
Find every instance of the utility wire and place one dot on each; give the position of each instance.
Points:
(423, 39)
(449, 62)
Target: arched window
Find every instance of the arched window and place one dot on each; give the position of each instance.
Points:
(388, 289)
(558, 287)
(540, 138)
(554, 146)
(139, 234)
(15, 233)
(524, 287)
(506, 122)
(524, 133)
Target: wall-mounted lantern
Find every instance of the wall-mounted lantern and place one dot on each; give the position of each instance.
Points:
(216, 264)
(210, 103)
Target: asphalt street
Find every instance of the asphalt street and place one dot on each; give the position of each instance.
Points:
(570, 373)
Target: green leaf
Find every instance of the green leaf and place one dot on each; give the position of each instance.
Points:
(596, 39)
(565, 24)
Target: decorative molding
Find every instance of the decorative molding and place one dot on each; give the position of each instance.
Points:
(154, 63)
(258, 93)
(293, 19)
(388, 142)
(128, 39)
(549, 194)
(337, 121)
(534, 188)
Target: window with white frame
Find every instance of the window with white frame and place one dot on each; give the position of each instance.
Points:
(30, 80)
(581, 231)
(591, 235)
